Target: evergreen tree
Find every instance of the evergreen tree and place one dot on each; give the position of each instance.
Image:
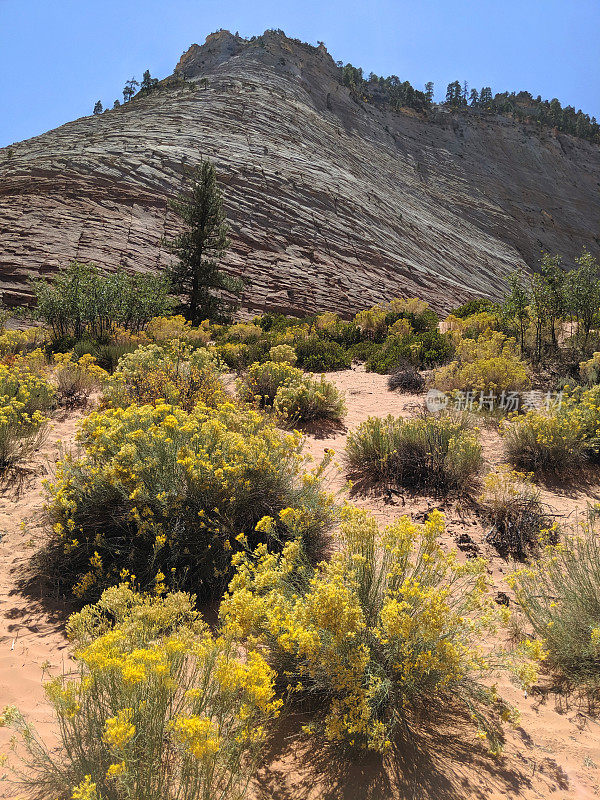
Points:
(429, 91)
(148, 83)
(129, 89)
(474, 98)
(465, 93)
(98, 109)
(454, 94)
(116, 104)
(485, 97)
(207, 292)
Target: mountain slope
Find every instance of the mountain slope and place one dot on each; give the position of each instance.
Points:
(333, 203)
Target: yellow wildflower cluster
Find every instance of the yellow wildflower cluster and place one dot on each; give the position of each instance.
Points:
(390, 622)
(169, 373)
(183, 485)
(283, 353)
(191, 721)
(24, 395)
(558, 437)
(488, 364)
(119, 730)
(12, 342)
(165, 329)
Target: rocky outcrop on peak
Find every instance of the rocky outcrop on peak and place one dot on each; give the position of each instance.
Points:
(333, 203)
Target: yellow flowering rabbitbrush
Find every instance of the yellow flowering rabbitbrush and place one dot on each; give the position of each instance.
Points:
(167, 373)
(24, 396)
(390, 624)
(159, 490)
(156, 708)
(558, 438)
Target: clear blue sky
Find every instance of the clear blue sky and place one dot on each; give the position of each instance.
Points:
(57, 57)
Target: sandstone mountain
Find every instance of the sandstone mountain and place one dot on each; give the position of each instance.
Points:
(334, 203)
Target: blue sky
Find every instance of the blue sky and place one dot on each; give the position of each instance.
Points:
(57, 58)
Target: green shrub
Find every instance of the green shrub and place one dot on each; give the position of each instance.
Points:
(475, 306)
(559, 593)
(363, 351)
(82, 301)
(421, 350)
(157, 489)
(415, 311)
(263, 380)
(309, 399)
(378, 635)
(236, 356)
(155, 707)
(426, 454)
(320, 355)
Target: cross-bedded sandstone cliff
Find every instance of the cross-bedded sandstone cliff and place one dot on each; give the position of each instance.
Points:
(333, 203)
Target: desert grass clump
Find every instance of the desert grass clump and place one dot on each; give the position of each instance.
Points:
(428, 453)
(559, 594)
(263, 381)
(76, 378)
(511, 504)
(156, 707)
(390, 628)
(309, 399)
(406, 380)
(159, 489)
(169, 373)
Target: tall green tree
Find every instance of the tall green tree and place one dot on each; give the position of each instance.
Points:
(554, 277)
(516, 305)
(206, 291)
(583, 294)
(98, 109)
(429, 91)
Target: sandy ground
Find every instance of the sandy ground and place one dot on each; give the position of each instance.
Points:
(553, 753)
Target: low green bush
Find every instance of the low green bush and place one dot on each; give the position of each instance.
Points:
(426, 349)
(320, 355)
